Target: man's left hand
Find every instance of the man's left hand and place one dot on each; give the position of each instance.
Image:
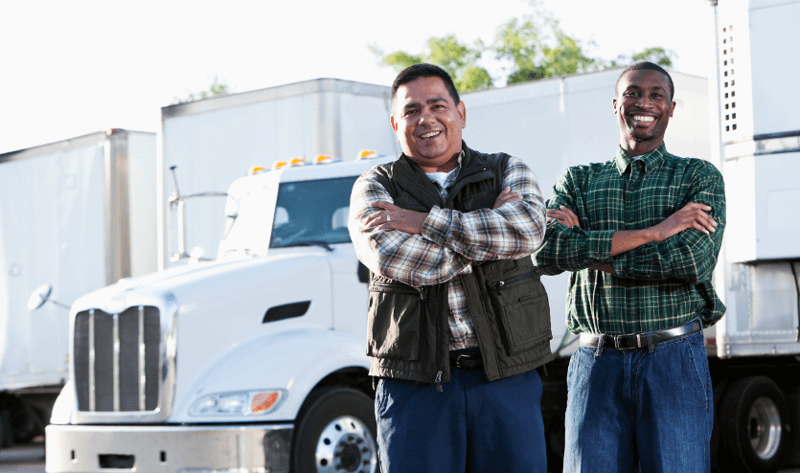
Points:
(392, 217)
(564, 215)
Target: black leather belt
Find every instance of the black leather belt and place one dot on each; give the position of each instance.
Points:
(470, 360)
(633, 341)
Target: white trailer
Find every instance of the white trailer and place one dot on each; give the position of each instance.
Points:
(212, 142)
(65, 221)
(757, 144)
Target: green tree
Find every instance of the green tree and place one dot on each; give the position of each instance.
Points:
(533, 46)
(660, 56)
(538, 48)
(216, 87)
(458, 59)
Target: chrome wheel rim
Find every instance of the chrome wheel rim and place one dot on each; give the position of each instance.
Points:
(346, 445)
(764, 428)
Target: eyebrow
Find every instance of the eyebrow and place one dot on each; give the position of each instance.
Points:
(637, 87)
(429, 102)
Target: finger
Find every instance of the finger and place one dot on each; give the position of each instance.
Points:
(382, 204)
(698, 205)
(372, 220)
(697, 226)
(508, 198)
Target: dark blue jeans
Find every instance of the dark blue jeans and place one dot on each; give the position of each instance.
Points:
(649, 410)
(473, 426)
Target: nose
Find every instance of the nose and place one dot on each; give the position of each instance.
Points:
(424, 115)
(644, 101)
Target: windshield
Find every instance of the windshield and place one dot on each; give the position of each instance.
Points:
(302, 213)
(312, 212)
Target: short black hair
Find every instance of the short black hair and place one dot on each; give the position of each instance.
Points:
(414, 72)
(638, 66)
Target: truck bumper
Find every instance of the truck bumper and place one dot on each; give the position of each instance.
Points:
(262, 448)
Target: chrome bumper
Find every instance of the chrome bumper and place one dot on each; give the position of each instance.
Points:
(185, 449)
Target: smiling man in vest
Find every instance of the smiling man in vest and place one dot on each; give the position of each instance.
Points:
(458, 319)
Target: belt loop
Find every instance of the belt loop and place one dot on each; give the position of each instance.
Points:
(600, 340)
(650, 347)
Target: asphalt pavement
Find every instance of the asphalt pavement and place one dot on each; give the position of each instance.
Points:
(30, 459)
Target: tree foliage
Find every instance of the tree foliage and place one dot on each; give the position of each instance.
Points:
(530, 47)
(216, 87)
(457, 58)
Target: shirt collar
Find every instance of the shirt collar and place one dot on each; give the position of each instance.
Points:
(651, 160)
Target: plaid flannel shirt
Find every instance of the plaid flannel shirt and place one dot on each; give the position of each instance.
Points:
(450, 241)
(657, 285)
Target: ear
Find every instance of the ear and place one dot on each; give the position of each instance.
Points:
(614, 103)
(462, 113)
(393, 122)
(671, 109)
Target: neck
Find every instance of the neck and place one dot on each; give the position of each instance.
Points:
(638, 148)
(448, 166)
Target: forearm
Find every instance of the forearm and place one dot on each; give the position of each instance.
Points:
(573, 248)
(512, 230)
(689, 256)
(624, 241)
(411, 259)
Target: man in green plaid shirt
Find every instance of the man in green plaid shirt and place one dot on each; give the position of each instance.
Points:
(640, 235)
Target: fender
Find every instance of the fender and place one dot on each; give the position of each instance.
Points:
(294, 360)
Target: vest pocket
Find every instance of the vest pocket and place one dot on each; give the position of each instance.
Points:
(395, 321)
(524, 311)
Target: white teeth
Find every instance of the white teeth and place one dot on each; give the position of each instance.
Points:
(430, 134)
(640, 118)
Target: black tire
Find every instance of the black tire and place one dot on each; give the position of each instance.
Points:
(336, 433)
(755, 426)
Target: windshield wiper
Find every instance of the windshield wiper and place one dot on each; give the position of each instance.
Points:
(310, 243)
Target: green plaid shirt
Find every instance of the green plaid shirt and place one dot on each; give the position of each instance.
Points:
(657, 285)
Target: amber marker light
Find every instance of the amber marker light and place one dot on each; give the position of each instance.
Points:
(263, 401)
(366, 153)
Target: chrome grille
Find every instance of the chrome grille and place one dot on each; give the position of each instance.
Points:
(116, 360)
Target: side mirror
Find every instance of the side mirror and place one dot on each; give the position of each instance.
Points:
(39, 296)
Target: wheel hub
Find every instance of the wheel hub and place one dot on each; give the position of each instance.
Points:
(764, 428)
(345, 445)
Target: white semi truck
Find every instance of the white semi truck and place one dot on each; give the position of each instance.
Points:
(65, 223)
(255, 361)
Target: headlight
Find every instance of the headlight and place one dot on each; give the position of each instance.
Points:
(243, 403)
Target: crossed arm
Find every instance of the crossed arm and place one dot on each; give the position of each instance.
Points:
(693, 215)
(684, 245)
(420, 249)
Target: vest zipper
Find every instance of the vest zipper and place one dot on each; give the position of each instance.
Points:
(501, 284)
(438, 379)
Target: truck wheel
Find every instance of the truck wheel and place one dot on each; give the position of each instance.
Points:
(755, 426)
(336, 433)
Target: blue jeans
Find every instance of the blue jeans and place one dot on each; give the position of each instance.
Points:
(649, 410)
(473, 426)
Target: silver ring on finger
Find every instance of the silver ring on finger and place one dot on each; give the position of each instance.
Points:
(388, 218)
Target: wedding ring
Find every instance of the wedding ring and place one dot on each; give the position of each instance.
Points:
(388, 218)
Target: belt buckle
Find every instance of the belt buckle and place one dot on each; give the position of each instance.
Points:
(617, 346)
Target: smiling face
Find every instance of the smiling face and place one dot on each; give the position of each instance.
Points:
(428, 124)
(643, 108)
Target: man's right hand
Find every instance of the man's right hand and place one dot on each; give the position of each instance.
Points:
(693, 215)
(506, 196)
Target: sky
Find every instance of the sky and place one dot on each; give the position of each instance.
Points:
(72, 68)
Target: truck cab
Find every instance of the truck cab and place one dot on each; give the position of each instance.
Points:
(254, 361)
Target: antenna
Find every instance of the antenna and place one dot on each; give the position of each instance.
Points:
(175, 178)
